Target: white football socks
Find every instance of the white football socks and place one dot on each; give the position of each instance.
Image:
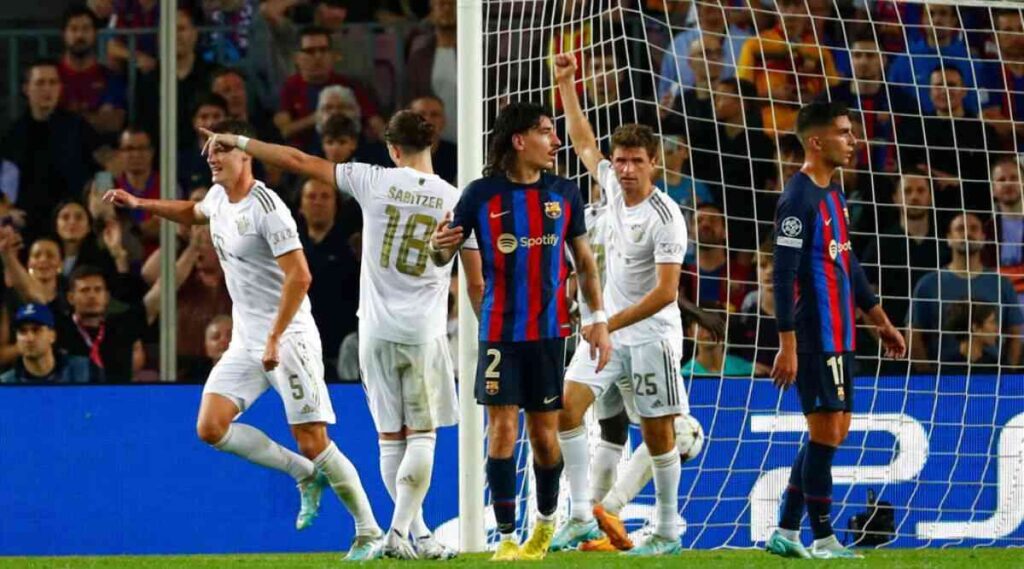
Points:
(666, 492)
(413, 480)
(576, 454)
(391, 455)
(603, 469)
(345, 482)
(255, 446)
(635, 475)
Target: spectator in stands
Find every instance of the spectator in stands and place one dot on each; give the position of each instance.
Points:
(692, 109)
(329, 228)
(133, 15)
(907, 248)
(231, 85)
(739, 157)
(271, 48)
(111, 340)
(430, 70)
(216, 339)
(80, 245)
(337, 100)
(710, 357)
(103, 212)
(1006, 228)
(716, 278)
(940, 45)
(41, 283)
(39, 362)
(89, 88)
(237, 16)
(53, 150)
(339, 139)
(296, 118)
(201, 293)
(964, 279)
(975, 329)
(789, 157)
(868, 92)
(787, 65)
(444, 154)
(102, 10)
(1005, 88)
(679, 67)
(956, 148)
(193, 72)
(753, 335)
(676, 177)
(193, 171)
(139, 177)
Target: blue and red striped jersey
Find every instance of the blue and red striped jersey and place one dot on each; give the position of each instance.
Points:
(817, 277)
(522, 231)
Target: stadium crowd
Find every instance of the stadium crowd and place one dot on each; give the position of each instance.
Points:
(935, 193)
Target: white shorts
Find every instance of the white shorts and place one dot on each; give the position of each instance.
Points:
(410, 385)
(647, 374)
(616, 399)
(298, 379)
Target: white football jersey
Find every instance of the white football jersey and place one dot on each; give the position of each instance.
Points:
(595, 217)
(249, 236)
(638, 239)
(403, 296)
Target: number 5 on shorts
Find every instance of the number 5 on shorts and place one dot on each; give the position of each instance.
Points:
(297, 392)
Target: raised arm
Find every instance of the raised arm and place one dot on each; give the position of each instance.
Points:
(28, 288)
(179, 211)
(285, 157)
(584, 143)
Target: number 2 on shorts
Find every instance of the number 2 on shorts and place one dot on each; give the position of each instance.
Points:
(492, 368)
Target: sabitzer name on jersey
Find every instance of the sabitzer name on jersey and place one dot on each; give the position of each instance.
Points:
(413, 198)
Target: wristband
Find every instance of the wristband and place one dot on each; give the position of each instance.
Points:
(599, 317)
(243, 141)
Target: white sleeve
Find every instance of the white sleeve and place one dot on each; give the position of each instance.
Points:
(279, 229)
(356, 179)
(607, 180)
(670, 241)
(209, 202)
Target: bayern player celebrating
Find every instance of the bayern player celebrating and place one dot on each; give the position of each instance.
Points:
(644, 256)
(403, 310)
(818, 282)
(274, 340)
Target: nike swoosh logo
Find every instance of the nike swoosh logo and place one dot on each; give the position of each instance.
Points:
(548, 400)
(828, 222)
(497, 215)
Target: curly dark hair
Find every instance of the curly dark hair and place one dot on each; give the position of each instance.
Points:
(516, 118)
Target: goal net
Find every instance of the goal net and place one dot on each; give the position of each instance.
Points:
(935, 455)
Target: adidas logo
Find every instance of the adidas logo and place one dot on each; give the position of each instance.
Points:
(306, 409)
(657, 404)
(407, 480)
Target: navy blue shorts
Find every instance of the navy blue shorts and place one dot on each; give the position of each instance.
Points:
(825, 382)
(528, 375)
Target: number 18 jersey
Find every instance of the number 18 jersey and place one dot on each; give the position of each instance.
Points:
(403, 296)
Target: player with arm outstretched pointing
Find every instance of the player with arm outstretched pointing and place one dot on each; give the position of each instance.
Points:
(274, 341)
(644, 256)
(818, 285)
(403, 311)
(524, 220)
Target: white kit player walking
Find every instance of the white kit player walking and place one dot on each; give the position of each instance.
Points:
(643, 259)
(274, 343)
(404, 358)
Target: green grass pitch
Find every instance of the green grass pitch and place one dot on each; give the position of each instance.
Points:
(902, 559)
